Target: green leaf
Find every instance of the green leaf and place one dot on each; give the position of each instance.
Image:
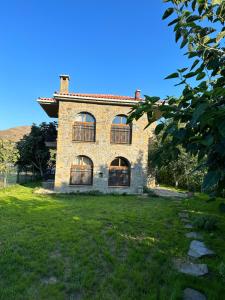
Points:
(174, 21)
(178, 35)
(193, 4)
(207, 141)
(159, 128)
(189, 75)
(173, 75)
(198, 112)
(211, 179)
(221, 128)
(184, 43)
(220, 36)
(200, 76)
(182, 70)
(195, 64)
(193, 18)
(167, 13)
(182, 82)
(192, 54)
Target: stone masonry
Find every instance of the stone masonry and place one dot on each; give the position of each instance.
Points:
(101, 152)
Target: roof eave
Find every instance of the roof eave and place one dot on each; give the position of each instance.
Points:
(124, 102)
(50, 107)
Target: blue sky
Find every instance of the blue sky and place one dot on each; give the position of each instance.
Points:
(109, 46)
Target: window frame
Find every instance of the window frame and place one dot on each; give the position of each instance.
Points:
(117, 130)
(79, 167)
(120, 168)
(82, 128)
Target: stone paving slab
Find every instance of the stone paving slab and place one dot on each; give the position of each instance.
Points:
(190, 268)
(185, 220)
(183, 215)
(193, 235)
(198, 249)
(188, 226)
(191, 294)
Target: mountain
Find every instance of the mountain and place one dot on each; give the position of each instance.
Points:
(15, 134)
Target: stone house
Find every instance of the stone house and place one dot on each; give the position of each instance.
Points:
(96, 148)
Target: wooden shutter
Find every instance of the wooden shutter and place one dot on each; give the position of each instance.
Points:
(84, 132)
(120, 134)
(81, 175)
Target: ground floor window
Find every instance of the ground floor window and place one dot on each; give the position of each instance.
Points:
(81, 172)
(119, 172)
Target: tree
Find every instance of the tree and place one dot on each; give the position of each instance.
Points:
(176, 170)
(197, 117)
(32, 148)
(8, 158)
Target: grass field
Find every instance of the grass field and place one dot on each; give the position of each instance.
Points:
(100, 247)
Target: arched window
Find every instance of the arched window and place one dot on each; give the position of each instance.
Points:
(81, 171)
(84, 128)
(119, 172)
(120, 130)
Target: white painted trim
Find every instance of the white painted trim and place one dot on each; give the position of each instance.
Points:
(93, 99)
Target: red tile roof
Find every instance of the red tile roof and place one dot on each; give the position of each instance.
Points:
(103, 96)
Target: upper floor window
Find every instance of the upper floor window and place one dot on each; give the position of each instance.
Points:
(120, 130)
(84, 128)
(81, 172)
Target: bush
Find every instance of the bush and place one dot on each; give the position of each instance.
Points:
(206, 223)
(221, 270)
(222, 207)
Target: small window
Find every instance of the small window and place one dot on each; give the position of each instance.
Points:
(81, 171)
(119, 172)
(84, 128)
(120, 131)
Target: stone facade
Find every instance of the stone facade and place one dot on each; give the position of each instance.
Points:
(101, 152)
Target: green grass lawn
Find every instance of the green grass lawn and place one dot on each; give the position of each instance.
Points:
(100, 247)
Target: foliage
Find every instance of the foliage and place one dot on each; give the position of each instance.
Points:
(222, 207)
(8, 158)
(78, 239)
(198, 115)
(33, 150)
(206, 222)
(221, 269)
(175, 170)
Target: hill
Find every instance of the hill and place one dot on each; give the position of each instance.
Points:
(15, 134)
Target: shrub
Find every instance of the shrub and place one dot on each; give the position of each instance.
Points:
(222, 207)
(206, 222)
(221, 270)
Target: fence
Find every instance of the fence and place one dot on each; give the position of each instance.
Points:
(21, 177)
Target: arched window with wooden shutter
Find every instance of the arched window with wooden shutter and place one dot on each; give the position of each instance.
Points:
(121, 132)
(84, 128)
(119, 172)
(81, 172)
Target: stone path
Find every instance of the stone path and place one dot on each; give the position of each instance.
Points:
(198, 249)
(191, 294)
(188, 226)
(163, 192)
(193, 235)
(189, 265)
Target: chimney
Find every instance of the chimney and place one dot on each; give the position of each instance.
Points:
(138, 94)
(64, 84)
